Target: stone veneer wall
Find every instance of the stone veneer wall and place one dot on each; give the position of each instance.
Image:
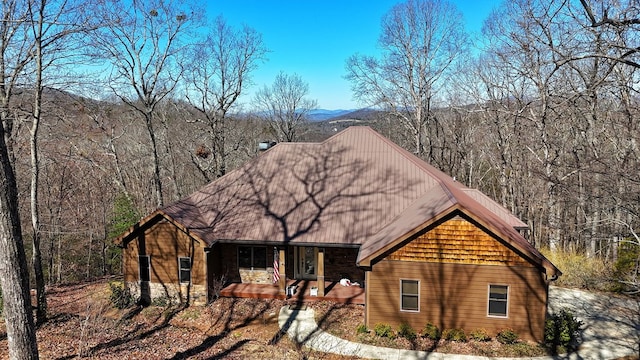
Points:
(257, 276)
(234, 274)
(171, 291)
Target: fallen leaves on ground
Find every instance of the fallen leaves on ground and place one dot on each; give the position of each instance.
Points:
(83, 324)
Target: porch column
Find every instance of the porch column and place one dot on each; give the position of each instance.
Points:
(207, 278)
(282, 282)
(321, 272)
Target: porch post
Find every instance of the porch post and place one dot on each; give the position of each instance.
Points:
(206, 275)
(282, 282)
(321, 272)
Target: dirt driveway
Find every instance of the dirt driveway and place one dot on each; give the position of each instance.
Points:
(611, 325)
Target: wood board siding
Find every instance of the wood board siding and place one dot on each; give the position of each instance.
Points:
(164, 243)
(455, 263)
(458, 241)
(456, 296)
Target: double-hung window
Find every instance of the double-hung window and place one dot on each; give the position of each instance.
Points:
(252, 257)
(409, 295)
(184, 270)
(498, 300)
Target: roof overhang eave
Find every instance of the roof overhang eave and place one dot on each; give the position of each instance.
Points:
(285, 243)
(148, 222)
(142, 225)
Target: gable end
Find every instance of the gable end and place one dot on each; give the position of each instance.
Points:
(457, 240)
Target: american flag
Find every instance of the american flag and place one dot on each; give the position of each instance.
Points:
(276, 265)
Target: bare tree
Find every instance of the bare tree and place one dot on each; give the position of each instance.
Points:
(617, 22)
(37, 14)
(15, 54)
(285, 106)
(13, 266)
(524, 37)
(217, 76)
(52, 22)
(420, 39)
(144, 42)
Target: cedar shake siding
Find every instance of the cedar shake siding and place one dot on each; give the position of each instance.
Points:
(458, 241)
(164, 243)
(455, 263)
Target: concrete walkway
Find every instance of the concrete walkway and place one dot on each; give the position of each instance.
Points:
(611, 330)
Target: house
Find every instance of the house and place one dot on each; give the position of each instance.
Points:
(357, 206)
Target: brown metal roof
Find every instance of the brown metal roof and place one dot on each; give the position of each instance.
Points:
(496, 208)
(357, 188)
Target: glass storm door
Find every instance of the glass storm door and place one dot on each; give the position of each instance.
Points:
(307, 265)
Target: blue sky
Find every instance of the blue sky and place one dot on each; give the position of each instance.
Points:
(314, 38)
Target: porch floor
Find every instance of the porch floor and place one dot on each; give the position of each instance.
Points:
(333, 292)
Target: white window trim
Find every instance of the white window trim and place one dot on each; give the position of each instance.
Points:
(506, 316)
(148, 267)
(401, 293)
(180, 269)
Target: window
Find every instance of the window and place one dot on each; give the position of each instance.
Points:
(252, 257)
(409, 295)
(144, 264)
(185, 269)
(498, 300)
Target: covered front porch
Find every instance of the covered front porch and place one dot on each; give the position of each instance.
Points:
(263, 271)
(333, 291)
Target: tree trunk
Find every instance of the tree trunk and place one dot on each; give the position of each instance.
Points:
(156, 161)
(41, 313)
(89, 255)
(52, 241)
(59, 256)
(220, 151)
(103, 253)
(14, 276)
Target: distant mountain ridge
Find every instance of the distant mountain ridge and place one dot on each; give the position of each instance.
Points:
(324, 114)
(364, 114)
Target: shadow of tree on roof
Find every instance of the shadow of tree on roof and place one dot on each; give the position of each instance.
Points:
(325, 196)
(314, 194)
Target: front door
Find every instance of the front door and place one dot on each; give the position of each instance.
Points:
(306, 263)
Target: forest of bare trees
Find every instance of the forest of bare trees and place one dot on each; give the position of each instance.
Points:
(541, 116)
(540, 112)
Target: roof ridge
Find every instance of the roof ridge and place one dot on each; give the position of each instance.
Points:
(343, 132)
